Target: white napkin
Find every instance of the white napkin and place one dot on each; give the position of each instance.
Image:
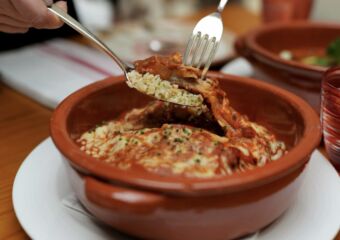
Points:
(50, 71)
(239, 66)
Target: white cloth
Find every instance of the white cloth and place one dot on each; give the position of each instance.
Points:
(50, 71)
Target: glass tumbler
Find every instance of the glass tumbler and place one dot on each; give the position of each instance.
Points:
(330, 114)
(285, 10)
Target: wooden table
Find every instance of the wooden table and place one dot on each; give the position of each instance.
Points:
(25, 123)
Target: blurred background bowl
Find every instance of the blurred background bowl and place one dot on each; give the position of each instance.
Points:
(263, 45)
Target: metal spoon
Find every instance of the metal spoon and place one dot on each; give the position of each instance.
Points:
(126, 67)
(89, 35)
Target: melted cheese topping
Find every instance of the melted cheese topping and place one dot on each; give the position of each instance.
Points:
(176, 149)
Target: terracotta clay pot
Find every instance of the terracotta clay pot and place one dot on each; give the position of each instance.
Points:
(263, 45)
(158, 207)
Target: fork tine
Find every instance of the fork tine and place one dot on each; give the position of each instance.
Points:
(205, 47)
(210, 58)
(188, 49)
(201, 51)
(196, 49)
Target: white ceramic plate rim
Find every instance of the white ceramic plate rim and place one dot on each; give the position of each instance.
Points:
(42, 214)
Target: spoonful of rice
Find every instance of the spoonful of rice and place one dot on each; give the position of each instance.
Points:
(146, 82)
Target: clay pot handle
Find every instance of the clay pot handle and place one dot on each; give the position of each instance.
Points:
(241, 48)
(115, 197)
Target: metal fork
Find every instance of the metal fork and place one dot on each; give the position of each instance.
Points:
(126, 67)
(204, 41)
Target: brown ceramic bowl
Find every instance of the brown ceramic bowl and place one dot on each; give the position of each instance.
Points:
(263, 45)
(155, 207)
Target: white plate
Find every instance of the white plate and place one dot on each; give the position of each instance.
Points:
(41, 185)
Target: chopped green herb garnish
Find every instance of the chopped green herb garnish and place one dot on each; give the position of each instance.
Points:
(186, 131)
(333, 50)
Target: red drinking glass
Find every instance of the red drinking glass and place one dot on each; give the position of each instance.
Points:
(286, 10)
(330, 114)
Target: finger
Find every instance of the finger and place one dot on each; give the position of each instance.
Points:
(36, 12)
(62, 5)
(7, 8)
(13, 22)
(52, 21)
(11, 29)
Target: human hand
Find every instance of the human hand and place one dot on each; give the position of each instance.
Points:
(17, 16)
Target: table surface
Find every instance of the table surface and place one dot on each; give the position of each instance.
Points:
(26, 122)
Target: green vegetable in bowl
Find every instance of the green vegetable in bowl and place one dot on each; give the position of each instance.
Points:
(319, 61)
(331, 58)
(333, 50)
